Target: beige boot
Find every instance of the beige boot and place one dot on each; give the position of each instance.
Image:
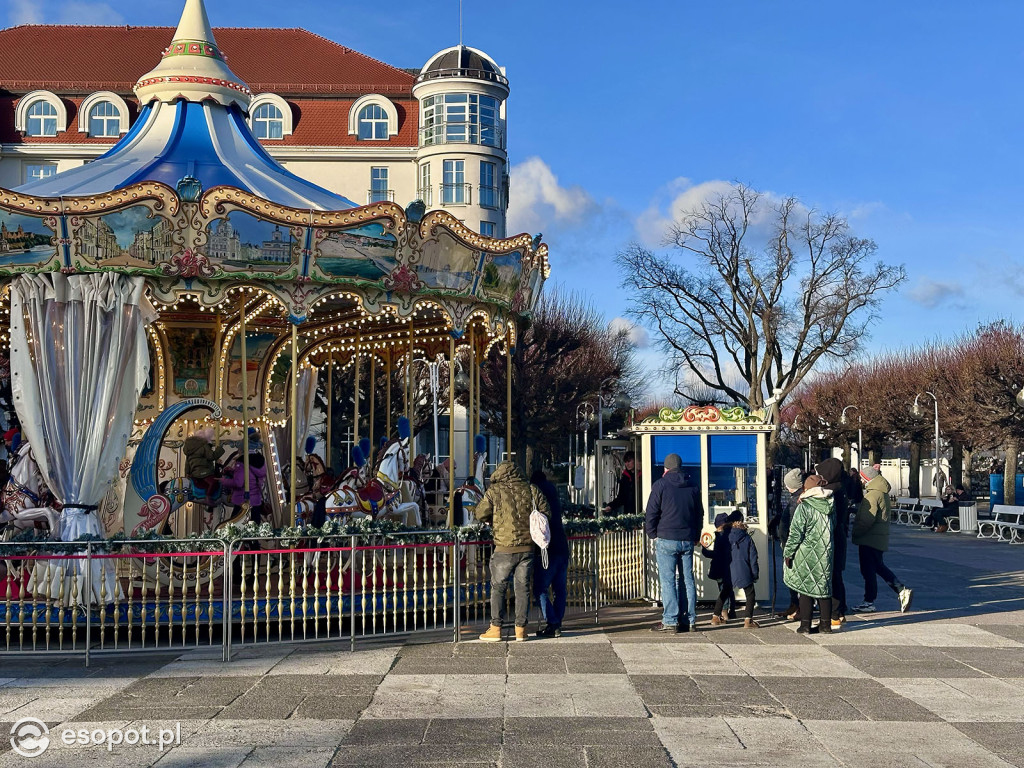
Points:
(716, 620)
(492, 635)
(750, 624)
(520, 634)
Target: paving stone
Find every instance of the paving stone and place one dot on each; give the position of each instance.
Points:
(572, 695)
(635, 757)
(952, 635)
(288, 757)
(332, 707)
(208, 757)
(997, 738)
(461, 665)
(675, 659)
(388, 755)
(964, 699)
(376, 661)
(538, 665)
(579, 731)
(795, 660)
(258, 706)
(550, 756)
(998, 662)
(908, 661)
(1011, 631)
(370, 732)
(160, 713)
(477, 730)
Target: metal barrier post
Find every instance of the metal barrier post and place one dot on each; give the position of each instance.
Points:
(352, 594)
(457, 581)
(227, 587)
(88, 602)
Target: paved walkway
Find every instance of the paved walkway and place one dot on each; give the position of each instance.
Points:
(941, 686)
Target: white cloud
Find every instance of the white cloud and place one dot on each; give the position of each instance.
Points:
(677, 198)
(638, 335)
(865, 210)
(25, 12)
(933, 293)
(537, 201)
(76, 12)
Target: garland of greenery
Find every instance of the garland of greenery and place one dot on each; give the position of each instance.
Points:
(234, 535)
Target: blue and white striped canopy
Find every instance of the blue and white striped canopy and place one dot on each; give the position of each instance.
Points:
(208, 141)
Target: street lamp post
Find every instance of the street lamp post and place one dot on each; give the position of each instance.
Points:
(610, 402)
(918, 411)
(585, 417)
(860, 433)
(807, 464)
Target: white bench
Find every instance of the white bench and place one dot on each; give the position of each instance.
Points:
(927, 506)
(902, 510)
(1006, 524)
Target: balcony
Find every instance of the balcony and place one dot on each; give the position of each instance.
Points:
(462, 133)
(456, 194)
(380, 196)
(426, 194)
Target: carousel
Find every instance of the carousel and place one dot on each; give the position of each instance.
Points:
(176, 305)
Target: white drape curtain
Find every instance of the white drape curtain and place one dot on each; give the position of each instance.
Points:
(306, 399)
(79, 360)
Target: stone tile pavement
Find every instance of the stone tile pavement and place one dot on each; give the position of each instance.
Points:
(940, 686)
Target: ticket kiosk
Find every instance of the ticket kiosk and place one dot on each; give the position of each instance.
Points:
(724, 451)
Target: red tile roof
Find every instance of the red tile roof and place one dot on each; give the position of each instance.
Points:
(75, 59)
(319, 78)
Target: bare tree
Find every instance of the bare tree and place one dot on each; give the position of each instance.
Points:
(771, 288)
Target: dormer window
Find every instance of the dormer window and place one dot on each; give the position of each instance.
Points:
(270, 117)
(104, 120)
(41, 120)
(373, 123)
(268, 122)
(40, 113)
(373, 118)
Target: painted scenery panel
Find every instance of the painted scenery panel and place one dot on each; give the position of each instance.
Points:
(363, 253)
(447, 264)
(501, 276)
(24, 240)
(134, 237)
(243, 242)
(256, 347)
(191, 360)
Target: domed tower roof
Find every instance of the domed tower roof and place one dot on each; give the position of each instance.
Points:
(465, 62)
(192, 124)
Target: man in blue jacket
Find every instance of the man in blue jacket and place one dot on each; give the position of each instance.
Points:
(674, 517)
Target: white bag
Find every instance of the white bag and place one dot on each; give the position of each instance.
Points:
(540, 531)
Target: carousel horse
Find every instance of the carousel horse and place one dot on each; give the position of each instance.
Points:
(472, 490)
(25, 499)
(361, 494)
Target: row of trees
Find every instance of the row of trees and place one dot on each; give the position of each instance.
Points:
(977, 380)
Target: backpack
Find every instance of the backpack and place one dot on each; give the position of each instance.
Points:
(540, 530)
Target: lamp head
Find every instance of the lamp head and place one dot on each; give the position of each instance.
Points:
(461, 381)
(622, 402)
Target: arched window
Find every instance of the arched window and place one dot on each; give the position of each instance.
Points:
(373, 122)
(104, 120)
(41, 119)
(268, 122)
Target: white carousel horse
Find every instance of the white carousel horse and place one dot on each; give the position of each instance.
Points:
(473, 488)
(392, 475)
(25, 498)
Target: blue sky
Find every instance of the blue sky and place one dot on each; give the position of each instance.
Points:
(906, 117)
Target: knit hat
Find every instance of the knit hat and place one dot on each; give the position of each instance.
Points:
(813, 481)
(673, 462)
(9, 434)
(793, 480)
(869, 474)
(721, 519)
(735, 517)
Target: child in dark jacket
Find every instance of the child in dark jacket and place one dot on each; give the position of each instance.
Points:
(720, 569)
(743, 564)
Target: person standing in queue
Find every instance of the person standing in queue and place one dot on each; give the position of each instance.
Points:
(555, 577)
(834, 475)
(674, 517)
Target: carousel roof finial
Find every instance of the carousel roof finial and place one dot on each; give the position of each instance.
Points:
(192, 67)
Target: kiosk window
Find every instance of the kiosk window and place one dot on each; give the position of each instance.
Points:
(688, 448)
(732, 461)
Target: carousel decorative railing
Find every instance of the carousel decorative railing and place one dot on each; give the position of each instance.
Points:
(256, 587)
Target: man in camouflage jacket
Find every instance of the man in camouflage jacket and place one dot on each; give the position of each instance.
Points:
(507, 504)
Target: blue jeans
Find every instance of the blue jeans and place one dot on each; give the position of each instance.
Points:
(554, 576)
(675, 569)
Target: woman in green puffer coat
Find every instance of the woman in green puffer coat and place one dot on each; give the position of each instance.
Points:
(809, 551)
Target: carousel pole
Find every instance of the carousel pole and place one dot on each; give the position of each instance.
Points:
(508, 393)
(408, 373)
(390, 360)
(469, 404)
(373, 395)
(451, 430)
(330, 401)
(355, 396)
(295, 419)
(245, 406)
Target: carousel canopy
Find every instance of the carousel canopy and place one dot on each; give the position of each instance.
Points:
(192, 124)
